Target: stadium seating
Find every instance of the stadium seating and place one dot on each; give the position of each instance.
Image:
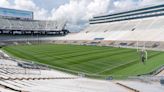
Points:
(31, 25)
(149, 29)
(14, 78)
(18, 76)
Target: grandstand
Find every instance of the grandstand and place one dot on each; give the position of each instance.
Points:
(134, 28)
(143, 25)
(36, 64)
(24, 24)
(12, 26)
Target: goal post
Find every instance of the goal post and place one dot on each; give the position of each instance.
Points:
(143, 55)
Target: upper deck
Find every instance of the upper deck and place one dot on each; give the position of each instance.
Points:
(145, 12)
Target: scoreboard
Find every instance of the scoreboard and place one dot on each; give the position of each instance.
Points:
(16, 13)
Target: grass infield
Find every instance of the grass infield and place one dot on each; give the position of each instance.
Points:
(91, 60)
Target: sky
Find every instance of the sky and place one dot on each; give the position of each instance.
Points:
(75, 12)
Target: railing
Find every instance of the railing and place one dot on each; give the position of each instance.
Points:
(147, 78)
(24, 71)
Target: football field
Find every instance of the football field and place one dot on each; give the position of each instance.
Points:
(90, 60)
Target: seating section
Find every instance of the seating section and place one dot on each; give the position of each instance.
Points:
(147, 29)
(17, 76)
(31, 25)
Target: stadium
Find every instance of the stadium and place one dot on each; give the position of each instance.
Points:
(118, 52)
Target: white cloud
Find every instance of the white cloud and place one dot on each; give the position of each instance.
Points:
(39, 13)
(25, 4)
(124, 4)
(76, 12)
(97, 7)
(80, 10)
(148, 2)
(4, 3)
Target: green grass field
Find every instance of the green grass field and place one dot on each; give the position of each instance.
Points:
(92, 60)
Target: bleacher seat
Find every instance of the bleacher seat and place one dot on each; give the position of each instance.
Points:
(31, 25)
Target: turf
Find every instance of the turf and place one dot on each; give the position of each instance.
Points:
(92, 60)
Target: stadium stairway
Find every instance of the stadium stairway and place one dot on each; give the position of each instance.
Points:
(127, 87)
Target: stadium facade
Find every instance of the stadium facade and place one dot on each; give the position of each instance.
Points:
(143, 24)
(147, 12)
(21, 22)
(140, 25)
(133, 28)
(13, 13)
